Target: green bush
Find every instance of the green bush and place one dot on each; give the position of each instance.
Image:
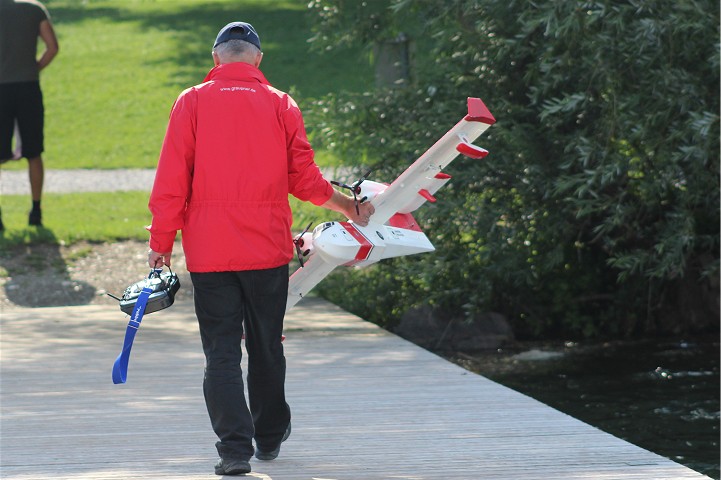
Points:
(600, 198)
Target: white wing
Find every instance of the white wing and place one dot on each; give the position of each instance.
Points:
(305, 278)
(423, 178)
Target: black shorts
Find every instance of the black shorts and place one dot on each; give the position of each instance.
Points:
(21, 102)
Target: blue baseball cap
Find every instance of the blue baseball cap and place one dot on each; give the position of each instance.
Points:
(239, 31)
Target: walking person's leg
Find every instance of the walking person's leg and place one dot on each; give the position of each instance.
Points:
(36, 172)
(219, 308)
(31, 124)
(266, 296)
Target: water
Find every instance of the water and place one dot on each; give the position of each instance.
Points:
(660, 395)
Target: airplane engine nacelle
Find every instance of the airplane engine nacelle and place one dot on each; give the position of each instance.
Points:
(369, 189)
(305, 244)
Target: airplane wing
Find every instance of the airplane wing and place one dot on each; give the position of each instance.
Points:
(343, 243)
(307, 277)
(423, 178)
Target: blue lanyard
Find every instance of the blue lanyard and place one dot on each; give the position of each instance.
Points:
(120, 367)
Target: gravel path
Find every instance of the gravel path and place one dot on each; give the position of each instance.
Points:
(45, 275)
(15, 182)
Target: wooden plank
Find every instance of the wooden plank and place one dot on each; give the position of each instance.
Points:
(366, 405)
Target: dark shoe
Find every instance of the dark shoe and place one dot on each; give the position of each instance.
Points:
(232, 466)
(35, 218)
(273, 454)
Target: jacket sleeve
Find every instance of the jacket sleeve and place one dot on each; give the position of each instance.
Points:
(173, 177)
(305, 180)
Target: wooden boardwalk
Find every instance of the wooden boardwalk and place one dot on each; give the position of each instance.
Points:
(366, 405)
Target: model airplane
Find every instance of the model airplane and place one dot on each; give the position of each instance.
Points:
(392, 231)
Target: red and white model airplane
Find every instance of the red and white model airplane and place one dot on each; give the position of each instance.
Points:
(392, 231)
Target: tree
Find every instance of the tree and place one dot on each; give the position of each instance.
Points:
(597, 212)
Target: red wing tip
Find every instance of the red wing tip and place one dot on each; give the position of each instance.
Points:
(478, 112)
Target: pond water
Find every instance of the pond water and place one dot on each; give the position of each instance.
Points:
(661, 395)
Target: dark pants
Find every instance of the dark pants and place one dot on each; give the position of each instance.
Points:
(21, 102)
(225, 303)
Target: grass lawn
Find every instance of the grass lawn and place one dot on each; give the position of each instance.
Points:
(122, 63)
(67, 218)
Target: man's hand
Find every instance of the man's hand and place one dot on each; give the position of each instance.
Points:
(157, 260)
(347, 206)
(362, 217)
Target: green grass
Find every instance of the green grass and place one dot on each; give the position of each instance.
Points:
(68, 218)
(103, 217)
(122, 63)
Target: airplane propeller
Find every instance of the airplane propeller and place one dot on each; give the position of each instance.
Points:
(298, 242)
(355, 189)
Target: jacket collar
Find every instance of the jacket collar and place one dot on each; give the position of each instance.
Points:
(236, 71)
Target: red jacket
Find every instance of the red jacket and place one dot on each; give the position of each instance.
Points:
(234, 149)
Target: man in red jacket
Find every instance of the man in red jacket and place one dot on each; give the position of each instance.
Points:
(234, 149)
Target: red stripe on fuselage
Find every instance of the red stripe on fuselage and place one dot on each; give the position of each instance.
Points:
(365, 245)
